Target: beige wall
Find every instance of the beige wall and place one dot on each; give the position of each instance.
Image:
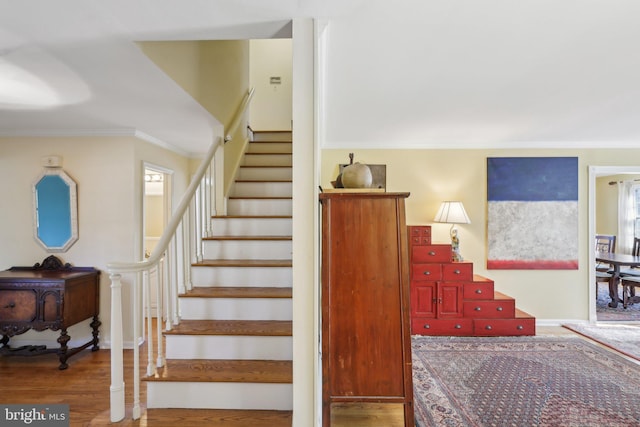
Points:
(435, 175)
(109, 177)
(271, 105)
(216, 74)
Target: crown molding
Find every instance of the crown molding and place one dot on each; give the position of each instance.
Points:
(72, 133)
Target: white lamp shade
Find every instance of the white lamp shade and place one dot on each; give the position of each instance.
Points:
(452, 213)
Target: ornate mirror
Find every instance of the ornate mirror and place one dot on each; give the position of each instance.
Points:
(55, 210)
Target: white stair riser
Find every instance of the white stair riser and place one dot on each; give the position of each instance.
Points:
(273, 136)
(259, 207)
(262, 189)
(269, 147)
(240, 347)
(202, 395)
(267, 160)
(251, 226)
(236, 308)
(242, 276)
(247, 249)
(284, 172)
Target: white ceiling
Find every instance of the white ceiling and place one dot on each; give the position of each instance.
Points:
(511, 72)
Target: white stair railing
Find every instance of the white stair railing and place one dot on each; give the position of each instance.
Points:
(167, 270)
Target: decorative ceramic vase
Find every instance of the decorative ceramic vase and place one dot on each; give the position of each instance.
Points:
(357, 175)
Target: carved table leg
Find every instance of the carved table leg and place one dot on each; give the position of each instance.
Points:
(95, 325)
(63, 339)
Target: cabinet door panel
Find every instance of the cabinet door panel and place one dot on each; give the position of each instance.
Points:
(423, 299)
(449, 299)
(17, 305)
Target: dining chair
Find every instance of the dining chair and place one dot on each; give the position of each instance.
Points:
(604, 243)
(630, 278)
(635, 251)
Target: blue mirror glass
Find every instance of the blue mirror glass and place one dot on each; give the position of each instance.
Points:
(54, 195)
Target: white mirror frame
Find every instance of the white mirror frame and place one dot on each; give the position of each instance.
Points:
(73, 210)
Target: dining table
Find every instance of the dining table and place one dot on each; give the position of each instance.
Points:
(616, 261)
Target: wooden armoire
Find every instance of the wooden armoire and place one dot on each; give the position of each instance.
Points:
(366, 341)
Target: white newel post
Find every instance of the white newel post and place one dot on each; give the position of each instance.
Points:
(117, 369)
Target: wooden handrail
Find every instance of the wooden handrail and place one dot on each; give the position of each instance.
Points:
(199, 189)
(238, 116)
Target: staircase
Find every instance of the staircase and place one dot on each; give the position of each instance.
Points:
(232, 350)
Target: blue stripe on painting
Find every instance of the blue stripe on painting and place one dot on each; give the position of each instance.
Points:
(532, 178)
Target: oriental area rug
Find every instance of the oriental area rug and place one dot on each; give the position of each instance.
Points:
(622, 338)
(604, 313)
(522, 381)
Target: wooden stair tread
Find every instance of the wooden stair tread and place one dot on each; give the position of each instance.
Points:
(272, 153)
(233, 327)
(238, 292)
(247, 238)
(500, 296)
(264, 181)
(266, 166)
(277, 141)
(243, 263)
(237, 371)
(261, 197)
(251, 216)
(479, 278)
(523, 315)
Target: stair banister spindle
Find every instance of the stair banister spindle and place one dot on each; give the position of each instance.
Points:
(147, 289)
(135, 303)
(117, 369)
(190, 214)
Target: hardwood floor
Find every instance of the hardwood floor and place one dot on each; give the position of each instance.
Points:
(84, 386)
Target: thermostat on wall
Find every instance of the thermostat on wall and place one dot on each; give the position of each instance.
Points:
(52, 161)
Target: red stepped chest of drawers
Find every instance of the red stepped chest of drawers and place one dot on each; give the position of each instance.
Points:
(447, 298)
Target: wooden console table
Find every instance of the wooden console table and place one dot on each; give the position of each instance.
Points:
(48, 296)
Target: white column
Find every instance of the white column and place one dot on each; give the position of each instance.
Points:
(117, 369)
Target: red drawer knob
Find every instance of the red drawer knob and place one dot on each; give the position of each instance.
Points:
(456, 272)
(499, 308)
(520, 327)
(477, 309)
(432, 253)
(458, 326)
(488, 327)
(426, 273)
(427, 326)
(478, 291)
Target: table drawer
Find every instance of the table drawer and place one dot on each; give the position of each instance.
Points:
(498, 309)
(459, 327)
(510, 327)
(431, 253)
(428, 272)
(457, 271)
(17, 305)
(480, 288)
(420, 235)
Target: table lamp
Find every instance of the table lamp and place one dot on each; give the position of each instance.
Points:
(453, 213)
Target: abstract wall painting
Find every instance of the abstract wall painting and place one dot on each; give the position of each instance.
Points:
(532, 218)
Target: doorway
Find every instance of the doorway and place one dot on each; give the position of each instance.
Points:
(602, 195)
(156, 209)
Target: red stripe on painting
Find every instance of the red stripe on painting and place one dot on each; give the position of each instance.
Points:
(532, 265)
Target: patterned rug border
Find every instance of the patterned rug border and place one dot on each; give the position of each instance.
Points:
(439, 406)
(577, 329)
